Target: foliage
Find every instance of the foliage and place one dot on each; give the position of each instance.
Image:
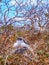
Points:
(38, 43)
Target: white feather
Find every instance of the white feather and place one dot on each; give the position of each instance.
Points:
(19, 43)
(23, 44)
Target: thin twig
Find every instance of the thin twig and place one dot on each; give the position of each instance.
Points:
(6, 60)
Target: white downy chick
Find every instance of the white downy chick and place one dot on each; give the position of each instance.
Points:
(21, 42)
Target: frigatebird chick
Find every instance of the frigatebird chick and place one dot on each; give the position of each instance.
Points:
(22, 43)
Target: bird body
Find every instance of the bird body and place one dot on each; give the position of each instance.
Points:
(19, 43)
(22, 43)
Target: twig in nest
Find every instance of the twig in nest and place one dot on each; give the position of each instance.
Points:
(6, 60)
(27, 57)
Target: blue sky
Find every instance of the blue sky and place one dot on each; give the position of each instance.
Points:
(12, 2)
(16, 7)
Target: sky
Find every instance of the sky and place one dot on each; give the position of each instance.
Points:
(15, 5)
(16, 8)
